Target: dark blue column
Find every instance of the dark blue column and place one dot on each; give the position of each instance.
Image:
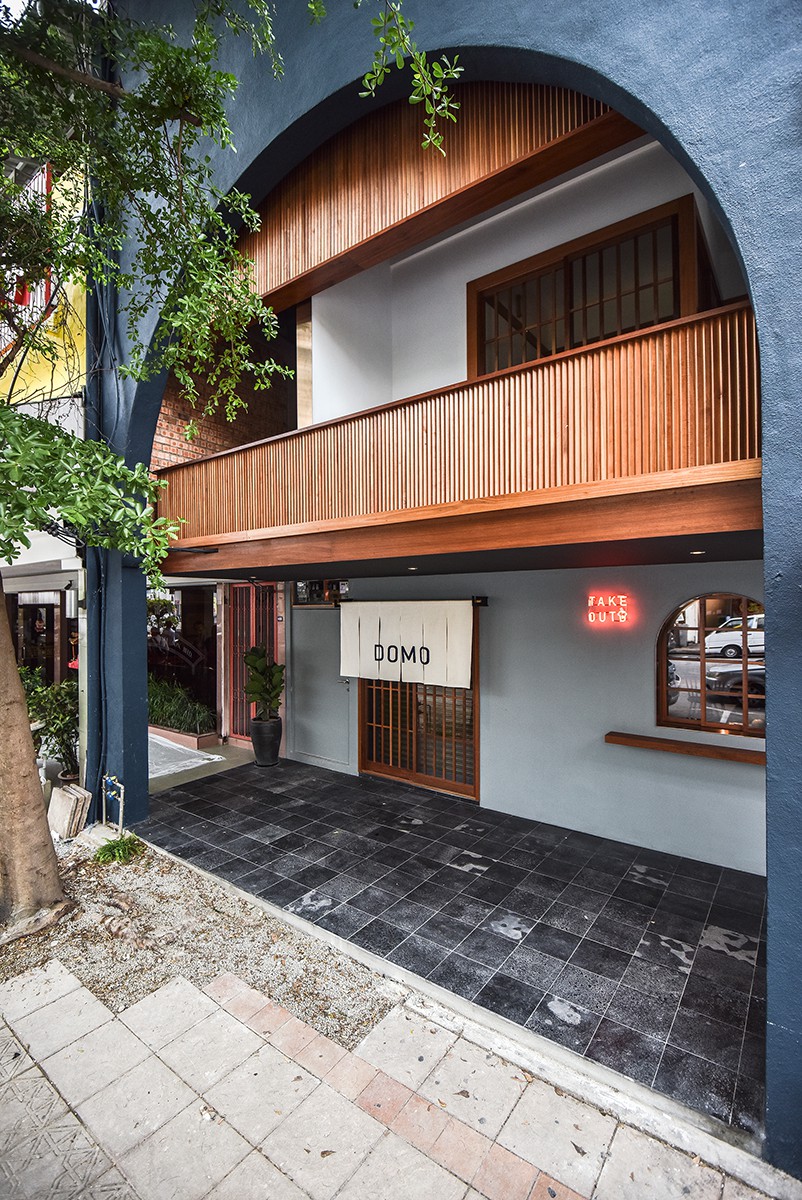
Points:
(782, 487)
(117, 690)
(117, 743)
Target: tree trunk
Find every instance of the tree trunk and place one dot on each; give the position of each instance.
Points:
(29, 879)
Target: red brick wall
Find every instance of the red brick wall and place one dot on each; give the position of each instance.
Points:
(264, 418)
(269, 413)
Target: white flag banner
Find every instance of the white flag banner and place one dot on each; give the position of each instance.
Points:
(414, 641)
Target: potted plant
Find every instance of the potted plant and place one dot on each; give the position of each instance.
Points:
(264, 689)
(55, 710)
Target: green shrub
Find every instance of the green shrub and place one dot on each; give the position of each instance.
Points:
(173, 707)
(122, 849)
(161, 612)
(55, 707)
(33, 682)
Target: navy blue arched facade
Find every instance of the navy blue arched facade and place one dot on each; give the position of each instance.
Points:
(718, 85)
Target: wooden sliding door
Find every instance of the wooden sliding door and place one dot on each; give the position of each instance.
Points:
(422, 733)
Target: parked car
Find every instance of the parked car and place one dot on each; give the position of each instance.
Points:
(727, 640)
(729, 681)
(673, 684)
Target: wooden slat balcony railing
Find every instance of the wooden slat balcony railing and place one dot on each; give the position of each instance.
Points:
(681, 396)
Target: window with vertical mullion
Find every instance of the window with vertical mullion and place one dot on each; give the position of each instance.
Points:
(617, 286)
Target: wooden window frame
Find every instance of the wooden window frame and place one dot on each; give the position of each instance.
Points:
(689, 236)
(702, 724)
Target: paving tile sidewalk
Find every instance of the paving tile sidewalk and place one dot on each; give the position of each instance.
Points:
(644, 962)
(221, 1094)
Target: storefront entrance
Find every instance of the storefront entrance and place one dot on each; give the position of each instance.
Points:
(45, 637)
(253, 621)
(419, 733)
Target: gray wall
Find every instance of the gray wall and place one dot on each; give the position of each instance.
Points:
(551, 686)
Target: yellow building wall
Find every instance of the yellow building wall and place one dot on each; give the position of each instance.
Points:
(37, 377)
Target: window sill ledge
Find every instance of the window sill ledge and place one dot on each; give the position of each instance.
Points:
(696, 749)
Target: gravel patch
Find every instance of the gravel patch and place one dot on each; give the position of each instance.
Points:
(136, 926)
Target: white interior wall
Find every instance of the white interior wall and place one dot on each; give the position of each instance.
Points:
(429, 288)
(551, 686)
(351, 360)
(395, 331)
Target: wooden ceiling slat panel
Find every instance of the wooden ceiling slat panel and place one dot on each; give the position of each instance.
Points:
(373, 176)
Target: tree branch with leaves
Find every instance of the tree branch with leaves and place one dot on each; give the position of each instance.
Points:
(126, 113)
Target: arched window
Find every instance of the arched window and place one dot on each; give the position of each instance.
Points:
(711, 670)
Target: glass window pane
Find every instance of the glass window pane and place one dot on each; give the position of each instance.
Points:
(665, 302)
(725, 708)
(646, 306)
(592, 320)
(628, 265)
(610, 267)
(517, 305)
(719, 609)
(559, 289)
(532, 316)
(490, 318)
(686, 706)
(578, 329)
(491, 363)
(517, 349)
(503, 313)
(674, 682)
(702, 685)
(546, 339)
(627, 313)
(665, 251)
(591, 279)
(645, 265)
(503, 355)
(610, 327)
(546, 297)
(559, 336)
(577, 283)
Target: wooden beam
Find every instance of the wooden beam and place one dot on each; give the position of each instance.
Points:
(672, 512)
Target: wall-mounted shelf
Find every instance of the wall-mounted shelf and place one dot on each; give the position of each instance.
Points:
(696, 749)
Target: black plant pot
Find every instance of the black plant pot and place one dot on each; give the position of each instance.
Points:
(266, 738)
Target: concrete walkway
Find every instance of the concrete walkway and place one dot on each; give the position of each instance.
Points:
(221, 1094)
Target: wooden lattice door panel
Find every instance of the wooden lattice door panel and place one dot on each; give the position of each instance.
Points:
(253, 621)
(419, 733)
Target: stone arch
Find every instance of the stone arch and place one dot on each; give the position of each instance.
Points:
(697, 78)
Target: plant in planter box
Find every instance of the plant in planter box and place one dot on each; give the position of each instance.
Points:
(172, 707)
(264, 688)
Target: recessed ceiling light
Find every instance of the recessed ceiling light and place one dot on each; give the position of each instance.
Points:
(412, 568)
(697, 552)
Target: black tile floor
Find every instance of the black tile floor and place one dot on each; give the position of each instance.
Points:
(651, 964)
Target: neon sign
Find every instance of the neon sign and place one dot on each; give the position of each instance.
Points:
(609, 608)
